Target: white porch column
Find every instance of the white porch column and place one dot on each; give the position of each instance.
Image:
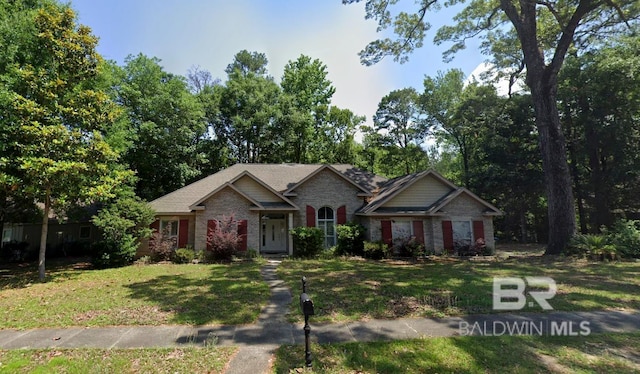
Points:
(290, 237)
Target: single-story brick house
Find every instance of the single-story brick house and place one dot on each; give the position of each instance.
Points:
(267, 200)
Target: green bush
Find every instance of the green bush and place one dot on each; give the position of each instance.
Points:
(184, 256)
(593, 246)
(376, 250)
(410, 248)
(350, 239)
(123, 221)
(488, 251)
(329, 253)
(108, 253)
(625, 236)
(307, 241)
(14, 251)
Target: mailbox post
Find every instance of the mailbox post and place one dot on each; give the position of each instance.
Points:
(306, 305)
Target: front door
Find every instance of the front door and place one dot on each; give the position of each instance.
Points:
(274, 236)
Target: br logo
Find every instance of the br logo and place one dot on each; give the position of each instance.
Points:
(509, 293)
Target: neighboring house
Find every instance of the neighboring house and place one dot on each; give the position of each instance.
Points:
(64, 236)
(268, 200)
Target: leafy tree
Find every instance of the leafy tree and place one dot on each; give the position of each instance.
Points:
(123, 221)
(600, 104)
(334, 136)
(306, 93)
(505, 165)
(214, 144)
(398, 125)
(247, 109)
(56, 117)
(307, 81)
(527, 35)
(167, 122)
(245, 63)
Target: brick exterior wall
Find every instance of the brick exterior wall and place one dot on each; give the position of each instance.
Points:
(326, 189)
(463, 208)
(227, 203)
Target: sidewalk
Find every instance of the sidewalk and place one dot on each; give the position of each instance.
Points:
(286, 333)
(258, 341)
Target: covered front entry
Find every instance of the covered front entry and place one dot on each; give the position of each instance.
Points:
(274, 233)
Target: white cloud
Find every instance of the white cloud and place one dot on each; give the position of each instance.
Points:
(486, 73)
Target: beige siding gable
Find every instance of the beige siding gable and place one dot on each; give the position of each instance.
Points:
(255, 190)
(422, 193)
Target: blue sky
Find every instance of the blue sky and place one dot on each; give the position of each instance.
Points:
(208, 33)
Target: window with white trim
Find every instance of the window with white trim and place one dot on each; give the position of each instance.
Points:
(326, 223)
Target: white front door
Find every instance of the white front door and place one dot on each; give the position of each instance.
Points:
(274, 235)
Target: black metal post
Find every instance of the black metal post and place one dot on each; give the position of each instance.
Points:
(307, 348)
(307, 328)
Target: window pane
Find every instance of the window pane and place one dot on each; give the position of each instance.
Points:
(462, 232)
(329, 213)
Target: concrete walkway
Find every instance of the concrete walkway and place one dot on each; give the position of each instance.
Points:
(258, 341)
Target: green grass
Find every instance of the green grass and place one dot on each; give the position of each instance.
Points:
(506, 354)
(348, 289)
(132, 295)
(169, 360)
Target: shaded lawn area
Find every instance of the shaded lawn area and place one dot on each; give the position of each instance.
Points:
(169, 360)
(133, 295)
(472, 354)
(355, 289)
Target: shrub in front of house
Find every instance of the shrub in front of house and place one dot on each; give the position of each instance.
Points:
(376, 250)
(223, 240)
(183, 256)
(123, 221)
(108, 253)
(161, 246)
(307, 241)
(350, 239)
(14, 251)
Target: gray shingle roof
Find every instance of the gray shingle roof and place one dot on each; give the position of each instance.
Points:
(280, 177)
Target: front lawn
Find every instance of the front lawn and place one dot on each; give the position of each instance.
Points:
(471, 354)
(133, 295)
(165, 360)
(356, 289)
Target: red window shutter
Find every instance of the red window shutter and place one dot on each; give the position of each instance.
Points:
(386, 232)
(311, 216)
(478, 230)
(155, 226)
(418, 231)
(342, 215)
(242, 235)
(211, 228)
(183, 233)
(447, 235)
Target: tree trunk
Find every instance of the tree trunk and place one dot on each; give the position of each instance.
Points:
(43, 238)
(560, 203)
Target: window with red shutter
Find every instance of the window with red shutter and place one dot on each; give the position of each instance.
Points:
(311, 216)
(447, 235)
(387, 237)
